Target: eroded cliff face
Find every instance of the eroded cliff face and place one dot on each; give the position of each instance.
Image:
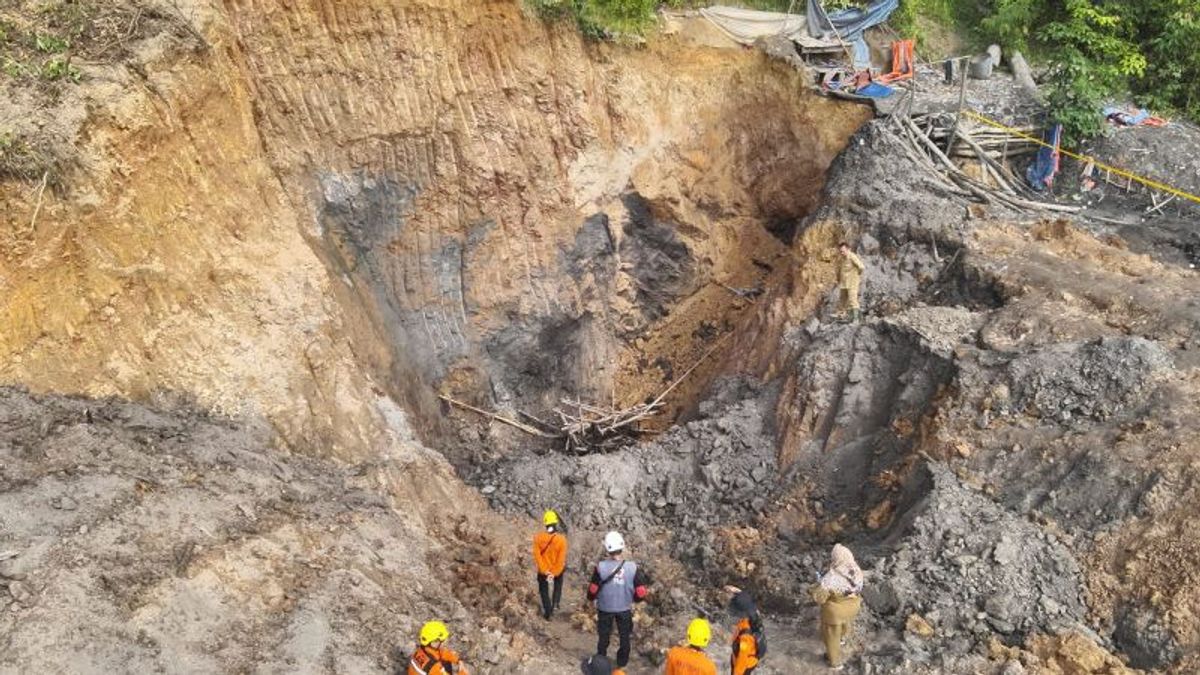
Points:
(341, 199)
(490, 191)
(315, 216)
(171, 260)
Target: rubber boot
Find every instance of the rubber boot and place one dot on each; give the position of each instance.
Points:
(854, 314)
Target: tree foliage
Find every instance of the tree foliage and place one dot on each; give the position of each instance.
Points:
(1093, 51)
(1097, 51)
(601, 18)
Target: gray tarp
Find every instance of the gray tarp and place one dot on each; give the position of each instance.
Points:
(850, 24)
(747, 25)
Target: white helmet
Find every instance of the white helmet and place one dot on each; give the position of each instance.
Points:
(614, 542)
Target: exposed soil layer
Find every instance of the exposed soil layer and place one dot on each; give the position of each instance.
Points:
(524, 193)
(323, 214)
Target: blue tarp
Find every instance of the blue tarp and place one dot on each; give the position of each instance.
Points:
(875, 90)
(1041, 173)
(850, 24)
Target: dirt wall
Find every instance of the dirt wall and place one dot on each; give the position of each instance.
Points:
(495, 190)
(171, 261)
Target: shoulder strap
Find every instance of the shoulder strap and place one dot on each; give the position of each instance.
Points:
(613, 574)
(435, 661)
(546, 546)
(850, 582)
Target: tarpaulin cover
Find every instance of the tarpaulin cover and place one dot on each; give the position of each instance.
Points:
(1041, 173)
(850, 24)
(875, 90)
(1132, 117)
(747, 25)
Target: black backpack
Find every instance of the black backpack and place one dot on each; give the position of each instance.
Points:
(596, 665)
(759, 632)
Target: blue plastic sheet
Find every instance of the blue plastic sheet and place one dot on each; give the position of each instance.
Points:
(1041, 173)
(1134, 118)
(850, 24)
(875, 90)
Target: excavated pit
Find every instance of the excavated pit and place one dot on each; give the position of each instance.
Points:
(346, 209)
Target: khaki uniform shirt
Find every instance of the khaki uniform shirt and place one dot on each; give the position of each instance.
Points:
(850, 269)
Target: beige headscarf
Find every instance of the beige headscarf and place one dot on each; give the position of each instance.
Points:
(844, 575)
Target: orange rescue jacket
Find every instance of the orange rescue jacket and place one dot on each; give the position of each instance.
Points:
(745, 648)
(688, 661)
(550, 553)
(430, 661)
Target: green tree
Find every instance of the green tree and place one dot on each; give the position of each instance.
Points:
(1102, 50)
(1093, 60)
(1170, 32)
(1012, 22)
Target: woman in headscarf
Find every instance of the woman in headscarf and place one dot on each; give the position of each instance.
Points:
(749, 637)
(839, 595)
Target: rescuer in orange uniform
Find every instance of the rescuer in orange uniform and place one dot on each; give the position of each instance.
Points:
(749, 638)
(550, 557)
(432, 656)
(691, 659)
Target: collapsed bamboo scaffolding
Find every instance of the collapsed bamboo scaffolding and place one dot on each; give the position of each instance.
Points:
(586, 427)
(999, 185)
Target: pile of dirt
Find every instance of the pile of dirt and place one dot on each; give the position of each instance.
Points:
(161, 538)
(972, 569)
(1065, 410)
(714, 470)
(1092, 380)
(1168, 154)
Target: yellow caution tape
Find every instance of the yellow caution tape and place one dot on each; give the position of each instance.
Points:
(1148, 182)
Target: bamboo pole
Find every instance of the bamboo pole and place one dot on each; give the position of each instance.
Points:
(499, 418)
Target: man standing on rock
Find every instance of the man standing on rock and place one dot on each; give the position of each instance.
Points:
(615, 585)
(849, 274)
(550, 557)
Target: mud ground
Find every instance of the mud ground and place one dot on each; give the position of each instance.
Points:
(311, 247)
(961, 439)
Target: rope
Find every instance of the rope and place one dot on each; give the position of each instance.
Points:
(786, 15)
(1148, 182)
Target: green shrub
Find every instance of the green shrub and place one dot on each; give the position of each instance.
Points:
(50, 44)
(601, 18)
(14, 68)
(60, 68)
(1172, 76)
(1102, 50)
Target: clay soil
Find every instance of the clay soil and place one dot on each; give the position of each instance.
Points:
(279, 231)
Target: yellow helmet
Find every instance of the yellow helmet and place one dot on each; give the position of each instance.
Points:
(550, 517)
(434, 631)
(699, 633)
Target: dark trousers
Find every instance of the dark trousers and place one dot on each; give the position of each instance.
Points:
(549, 606)
(624, 621)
